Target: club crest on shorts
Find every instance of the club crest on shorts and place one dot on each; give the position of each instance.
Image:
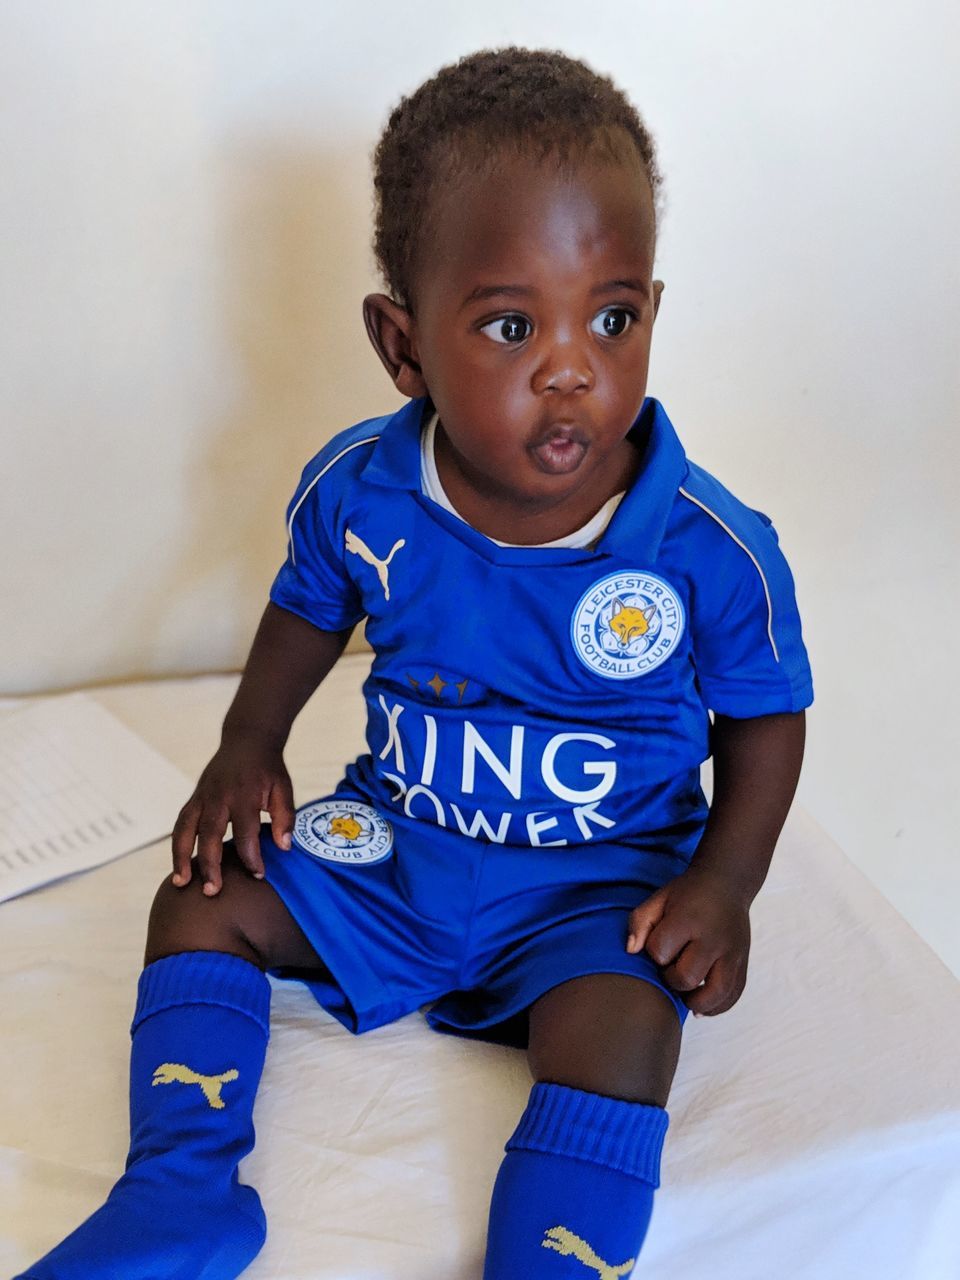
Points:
(343, 831)
(626, 624)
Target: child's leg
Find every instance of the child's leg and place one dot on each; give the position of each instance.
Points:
(198, 1042)
(576, 1185)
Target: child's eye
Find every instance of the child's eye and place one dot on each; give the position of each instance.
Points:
(506, 329)
(512, 329)
(614, 321)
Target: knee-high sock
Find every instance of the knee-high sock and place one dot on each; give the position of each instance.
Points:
(199, 1037)
(575, 1189)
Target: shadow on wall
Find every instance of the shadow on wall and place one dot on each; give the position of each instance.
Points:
(295, 263)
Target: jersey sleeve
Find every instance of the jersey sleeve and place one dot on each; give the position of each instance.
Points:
(748, 647)
(313, 581)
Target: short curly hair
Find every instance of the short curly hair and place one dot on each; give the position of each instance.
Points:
(528, 100)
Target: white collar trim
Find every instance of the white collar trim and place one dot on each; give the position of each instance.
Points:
(586, 536)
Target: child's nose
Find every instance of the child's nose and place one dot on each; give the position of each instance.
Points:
(565, 367)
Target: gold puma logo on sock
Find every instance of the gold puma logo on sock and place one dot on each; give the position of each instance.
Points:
(360, 548)
(565, 1242)
(177, 1073)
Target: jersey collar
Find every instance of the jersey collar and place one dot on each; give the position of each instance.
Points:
(638, 525)
(395, 461)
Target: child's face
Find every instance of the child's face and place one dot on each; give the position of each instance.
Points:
(537, 381)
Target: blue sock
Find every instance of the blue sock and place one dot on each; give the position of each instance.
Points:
(179, 1211)
(575, 1188)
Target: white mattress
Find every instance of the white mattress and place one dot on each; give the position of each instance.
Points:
(815, 1128)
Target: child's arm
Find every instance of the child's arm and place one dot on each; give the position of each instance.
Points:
(698, 924)
(288, 660)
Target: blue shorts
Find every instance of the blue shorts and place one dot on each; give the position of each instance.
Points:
(481, 929)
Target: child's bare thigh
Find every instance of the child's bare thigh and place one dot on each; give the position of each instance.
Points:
(246, 918)
(606, 1033)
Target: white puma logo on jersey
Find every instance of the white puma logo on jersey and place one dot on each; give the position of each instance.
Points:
(360, 548)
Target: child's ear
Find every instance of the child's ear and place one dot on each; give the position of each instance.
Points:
(657, 291)
(391, 329)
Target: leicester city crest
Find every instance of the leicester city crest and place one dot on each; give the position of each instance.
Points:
(343, 831)
(626, 624)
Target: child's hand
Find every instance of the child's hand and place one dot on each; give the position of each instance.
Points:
(243, 778)
(698, 927)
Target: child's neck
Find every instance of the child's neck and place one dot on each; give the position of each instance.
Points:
(501, 516)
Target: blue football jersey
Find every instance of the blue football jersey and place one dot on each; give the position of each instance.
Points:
(544, 696)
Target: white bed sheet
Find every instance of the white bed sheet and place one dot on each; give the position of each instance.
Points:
(815, 1128)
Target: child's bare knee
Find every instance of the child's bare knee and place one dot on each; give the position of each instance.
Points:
(186, 919)
(606, 1034)
(247, 918)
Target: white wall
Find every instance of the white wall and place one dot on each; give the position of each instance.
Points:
(186, 211)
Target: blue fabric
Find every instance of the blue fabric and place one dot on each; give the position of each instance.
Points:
(180, 1212)
(482, 929)
(575, 1189)
(536, 722)
(544, 696)
(540, 774)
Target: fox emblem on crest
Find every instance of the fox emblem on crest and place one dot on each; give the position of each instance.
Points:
(628, 623)
(346, 826)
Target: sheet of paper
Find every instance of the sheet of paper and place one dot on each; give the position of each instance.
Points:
(77, 788)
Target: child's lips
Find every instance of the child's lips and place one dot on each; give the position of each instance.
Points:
(560, 449)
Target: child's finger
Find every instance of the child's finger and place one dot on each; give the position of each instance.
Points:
(667, 939)
(184, 838)
(690, 968)
(210, 832)
(643, 919)
(721, 990)
(246, 837)
(282, 813)
(705, 1000)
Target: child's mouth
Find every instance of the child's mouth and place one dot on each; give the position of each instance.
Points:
(560, 450)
